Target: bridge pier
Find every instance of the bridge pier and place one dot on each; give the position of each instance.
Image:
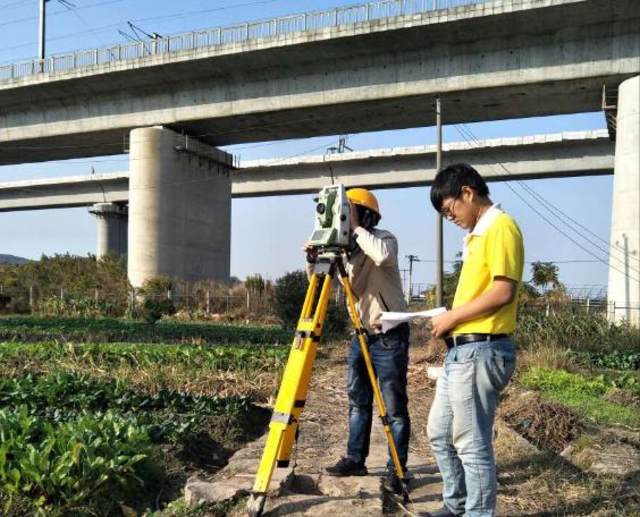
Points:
(112, 229)
(179, 207)
(624, 251)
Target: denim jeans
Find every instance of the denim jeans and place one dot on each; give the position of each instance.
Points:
(390, 358)
(460, 426)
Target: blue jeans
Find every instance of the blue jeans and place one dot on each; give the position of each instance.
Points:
(460, 426)
(390, 358)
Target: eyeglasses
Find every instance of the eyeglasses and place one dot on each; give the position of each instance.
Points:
(447, 211)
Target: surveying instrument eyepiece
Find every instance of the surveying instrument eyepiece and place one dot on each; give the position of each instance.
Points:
(332, 238)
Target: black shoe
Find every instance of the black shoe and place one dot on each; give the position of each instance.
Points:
(442, 512)
(391, 482)
(347, 467)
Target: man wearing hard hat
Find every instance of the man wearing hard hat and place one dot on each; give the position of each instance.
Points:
(375, 278)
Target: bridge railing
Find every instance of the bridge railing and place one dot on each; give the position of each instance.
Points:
(201, 39)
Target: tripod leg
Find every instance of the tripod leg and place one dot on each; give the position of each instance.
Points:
(382, 411)
(293, 391)
(312, 329)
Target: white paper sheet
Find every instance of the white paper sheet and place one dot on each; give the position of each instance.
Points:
(393, 319)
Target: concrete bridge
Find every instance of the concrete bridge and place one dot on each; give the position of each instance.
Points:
(172, 103)
(486, 60)
(561, 155)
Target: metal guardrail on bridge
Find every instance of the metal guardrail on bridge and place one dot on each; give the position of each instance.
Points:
(218, 36)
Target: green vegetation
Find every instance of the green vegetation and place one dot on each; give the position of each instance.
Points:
(581, 393)
(110, 330)
(571, 328)
(168, 414)
(74, 464)
(94, 428)
(77, 276)
(114, 355)
(290, 293)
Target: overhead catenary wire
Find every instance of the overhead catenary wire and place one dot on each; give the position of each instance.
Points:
(551, 206)
(13, 4)
(168, 17)
(57, 13)
(590, 252)
(552, 224)
(555, 211)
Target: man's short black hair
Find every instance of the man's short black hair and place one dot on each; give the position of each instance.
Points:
(450, 180)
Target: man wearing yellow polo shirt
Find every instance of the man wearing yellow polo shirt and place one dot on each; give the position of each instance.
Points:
(477, 331)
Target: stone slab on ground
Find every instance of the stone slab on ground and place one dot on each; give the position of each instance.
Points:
(236, 479)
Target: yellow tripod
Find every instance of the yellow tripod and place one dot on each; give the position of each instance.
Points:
(297, 376)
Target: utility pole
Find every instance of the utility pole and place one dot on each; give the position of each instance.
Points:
(42, 30)
(411, 259)
(404, 281)
(439, 245)
(42, 27)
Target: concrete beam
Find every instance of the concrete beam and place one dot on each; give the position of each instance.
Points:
(64, 192)
(496, 60)
(585, 153)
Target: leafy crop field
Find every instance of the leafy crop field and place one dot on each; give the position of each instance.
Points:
(110, 330)
(91, 426)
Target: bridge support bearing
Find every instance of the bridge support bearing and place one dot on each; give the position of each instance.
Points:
(624, 261)
(112, 229)
(179, 208)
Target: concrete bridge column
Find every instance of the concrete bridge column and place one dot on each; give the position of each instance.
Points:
(624, 254)
(112, 229)
(179, 208)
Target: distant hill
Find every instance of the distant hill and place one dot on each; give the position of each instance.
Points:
(12, 259)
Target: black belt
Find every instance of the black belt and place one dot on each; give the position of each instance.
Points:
(402, 331)
(463, 339)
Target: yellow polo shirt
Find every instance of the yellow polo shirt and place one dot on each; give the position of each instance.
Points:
(494, 248)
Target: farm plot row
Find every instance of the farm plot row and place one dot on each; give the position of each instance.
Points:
(101, 429)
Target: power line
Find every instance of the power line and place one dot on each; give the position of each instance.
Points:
(19, 2)
(546, 204)
(56, 13)
(149, 18)
(559, 230)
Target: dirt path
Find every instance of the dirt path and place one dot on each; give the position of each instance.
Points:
(306, 489)
(530, 482)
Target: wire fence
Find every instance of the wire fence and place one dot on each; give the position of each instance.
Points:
(219, 36)
(119, 302)
(201, 301)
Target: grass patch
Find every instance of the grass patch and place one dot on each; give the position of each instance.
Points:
(580, 393)
(570, 328)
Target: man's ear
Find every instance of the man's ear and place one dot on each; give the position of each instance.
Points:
(468, 194)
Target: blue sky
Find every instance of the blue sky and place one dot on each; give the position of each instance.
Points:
(274, 246)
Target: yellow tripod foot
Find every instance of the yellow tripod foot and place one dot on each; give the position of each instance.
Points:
(255, 505)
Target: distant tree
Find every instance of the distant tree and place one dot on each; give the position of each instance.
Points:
(255, 284)
(155, 301)
(544, 274)
(290, 291)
